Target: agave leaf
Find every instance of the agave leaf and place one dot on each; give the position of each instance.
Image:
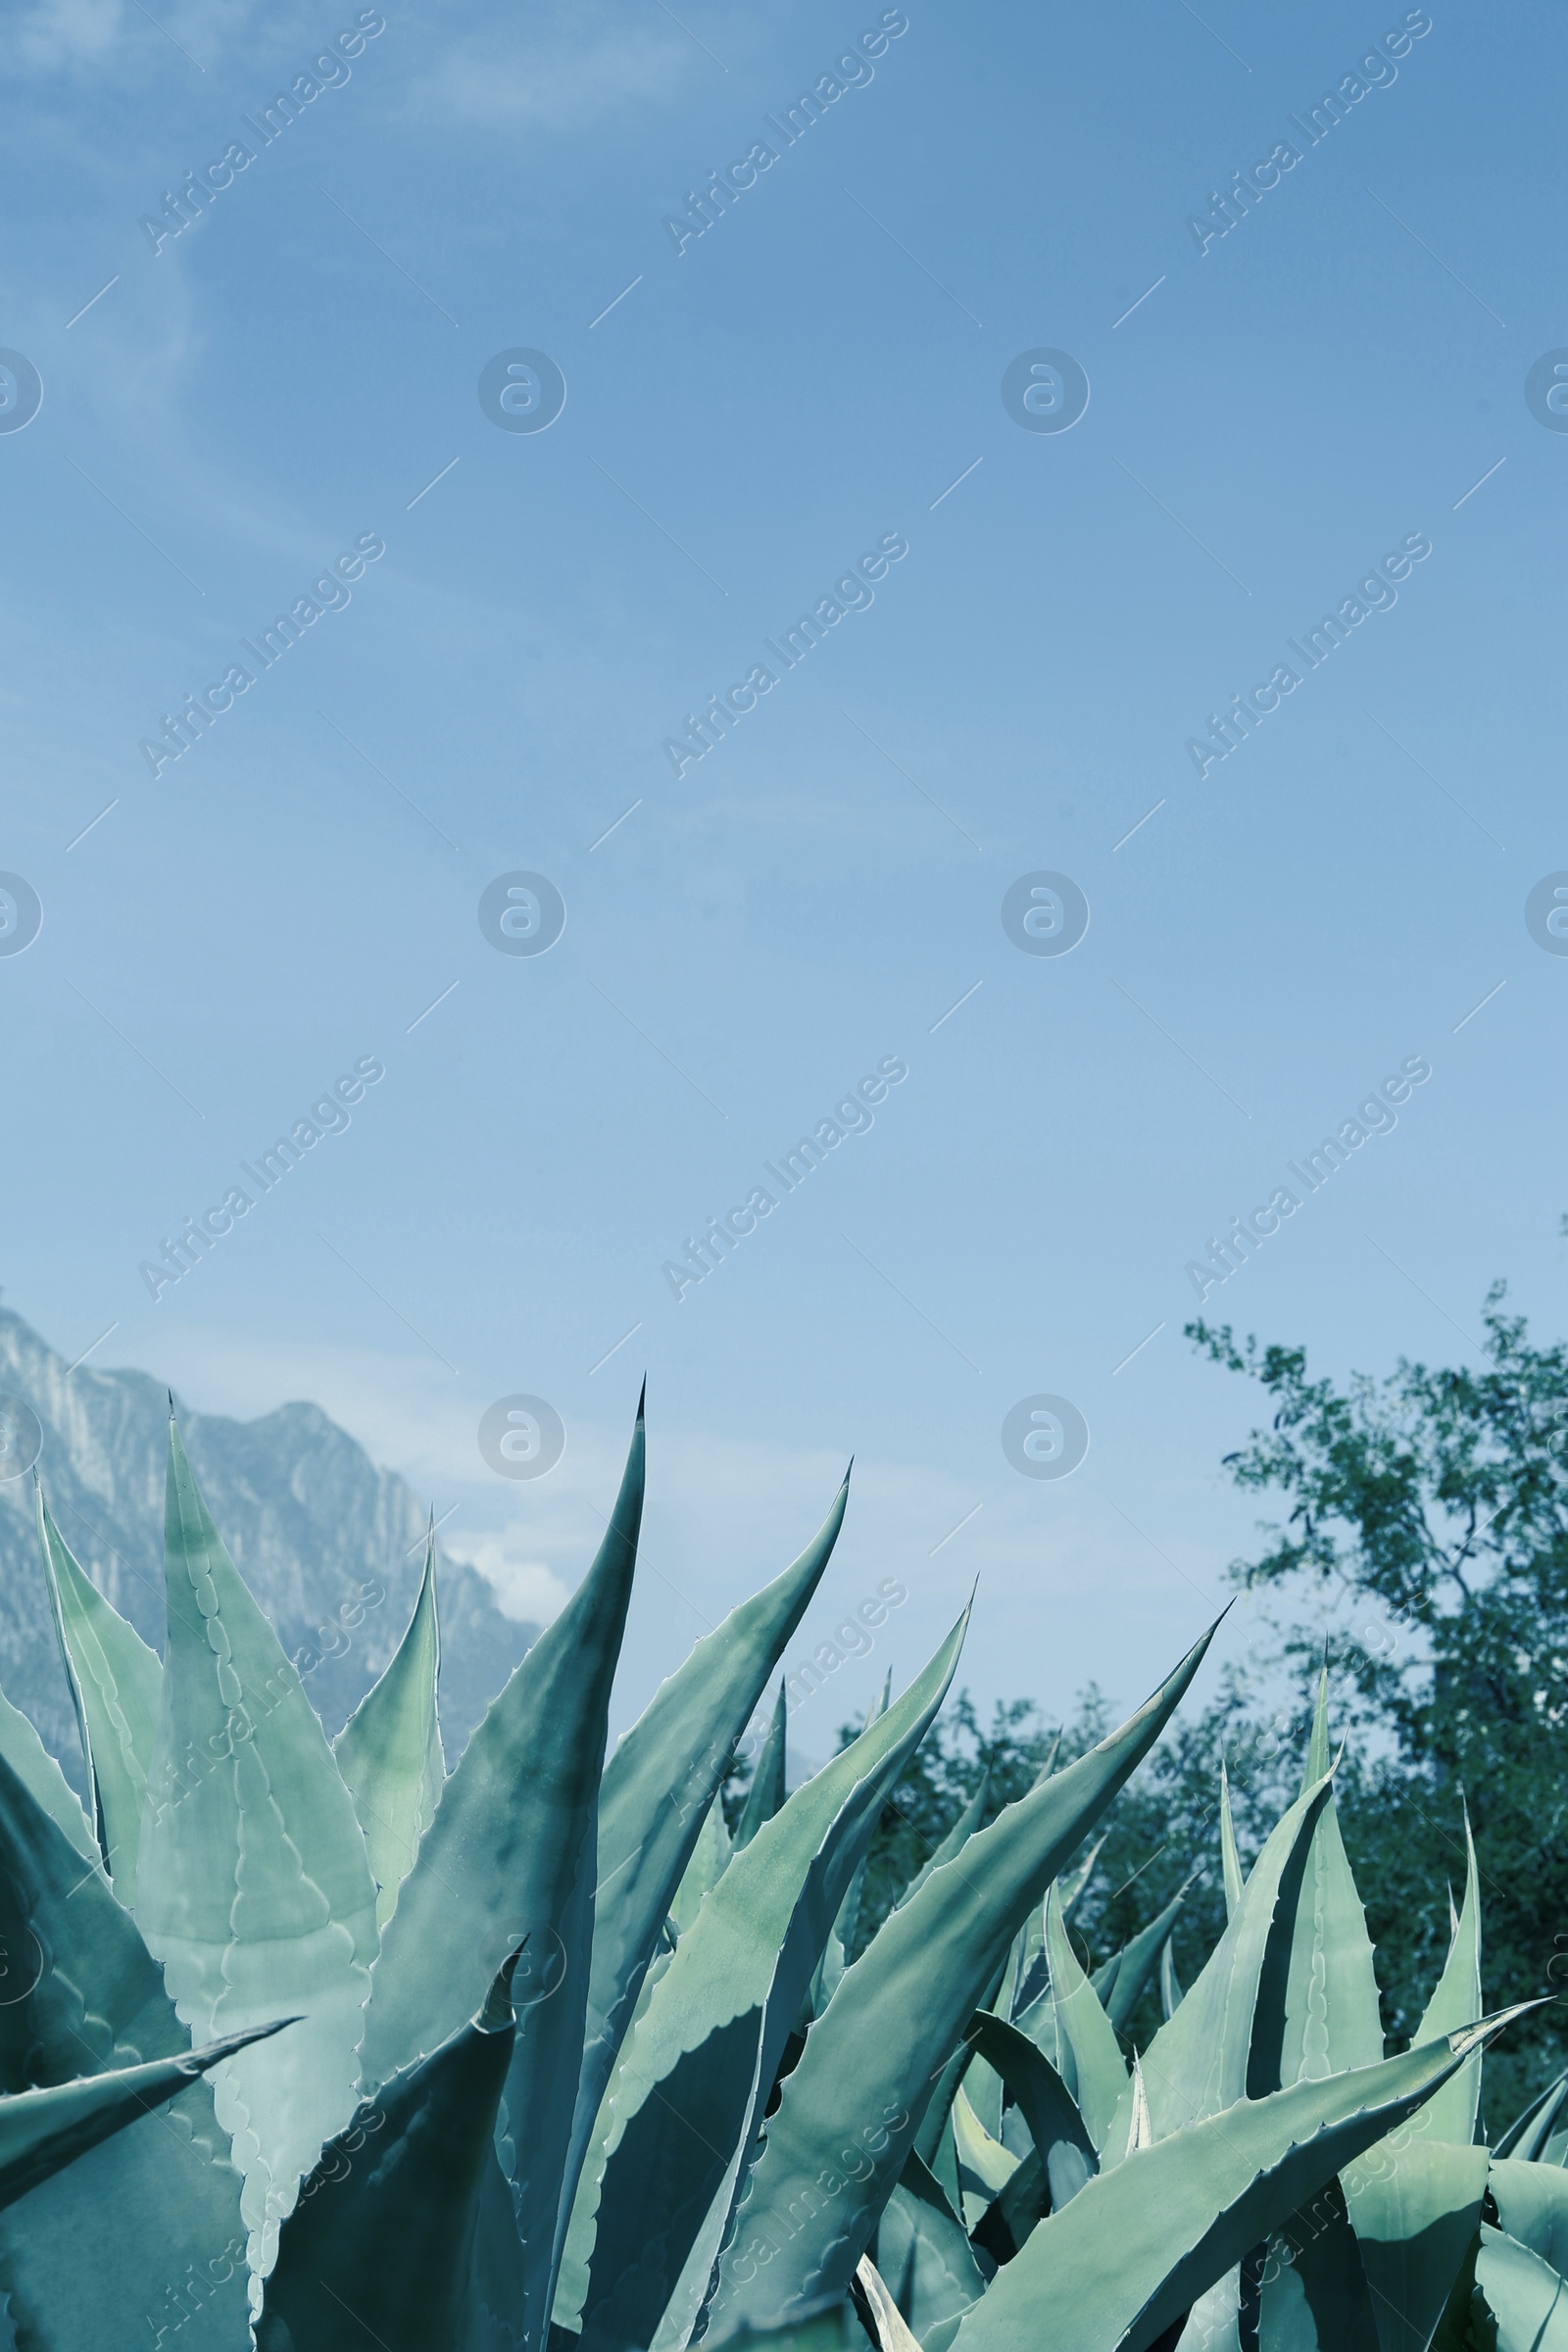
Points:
(926, 2258)
(1203, 2059)
(513, 1854)
(1531, 2201)
(835, 1959)
(710, 1860)
(1527, 2135)
(766, 1794)
(43, 2131)
(83, 1996)
(1055, 2126)
(1075, 1886)
(985, 2166)
(663, 1847)
(252, 1884)
(385, 2225)
(1098, 2073)
(1170, 1992)
(1230, 1859)
(1022, 2202)
(1415, 2208)
(878, 2313)
(114, 1681)
(659, 1797)
(1457, 1996)
(81, 1993)
(1331, 2018)
(389, 1751)
(28, 1757)
(740, 1972)
(1315, 2293)
(1135, 1963)
(1142, 2241)
(1528, 2300)
(962, 1830)
(890, 2027)
(1319, 1756)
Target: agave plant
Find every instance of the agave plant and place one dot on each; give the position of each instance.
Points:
(315, 2046)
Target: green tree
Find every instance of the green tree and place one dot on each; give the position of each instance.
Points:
(1428, 1518)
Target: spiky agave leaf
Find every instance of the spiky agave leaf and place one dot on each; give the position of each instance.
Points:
(1170, 1990)
(28, 1757)
(1415, 2207)
(710, 1859)
(1311, 2291)
(1201, 2060)
(115, 1680)
(1098, 2075)
(1327, 2023)
(962, 1830)
(985, 2166)
(252, 1883)
(871, 2060)
(661, 1794)
(1230, 1859)
(1056, 2123)
(926, 2258)
(877, 2311)
(1531, 2201)
(512, 1853)
(1527, 2300)
(706, 2054)
(766, 1794)
(1120, 1980)
(41, 2131)
(389, 1751)
(380, 2248)
(159, 2210)
(1144, 2240)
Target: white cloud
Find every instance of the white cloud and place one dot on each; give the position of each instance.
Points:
(528, 1589)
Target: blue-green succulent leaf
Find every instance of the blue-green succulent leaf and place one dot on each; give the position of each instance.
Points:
(766, 1794)
(1230, 1859)
(1526, 2298)
(1232, 2020)
(41, 2131)
(1455, 1996)
(115, 1680)
(252, 1883)
(25, 1753)
(1098, 2072)
(389, 1751)
(1531, 2201)
(926, 2259)
(379, 2249)
(159, 2206)
(659, 1803)
(511, 1854)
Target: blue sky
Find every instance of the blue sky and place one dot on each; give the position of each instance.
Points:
(749, 412)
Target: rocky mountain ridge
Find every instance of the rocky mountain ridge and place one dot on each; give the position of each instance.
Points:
(330, 1545)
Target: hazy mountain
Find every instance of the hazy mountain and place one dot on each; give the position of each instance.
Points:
(312, 1524)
